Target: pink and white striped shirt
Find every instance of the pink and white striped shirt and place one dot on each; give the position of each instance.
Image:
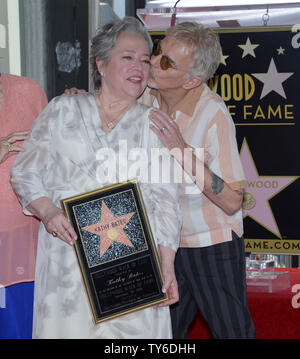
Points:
(204, 122)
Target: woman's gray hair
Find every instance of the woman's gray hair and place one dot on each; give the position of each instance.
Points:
(106, 38)
(205, 44)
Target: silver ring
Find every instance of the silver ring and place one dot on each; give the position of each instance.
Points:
(54, 234)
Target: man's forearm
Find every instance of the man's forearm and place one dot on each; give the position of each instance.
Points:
(213, 187)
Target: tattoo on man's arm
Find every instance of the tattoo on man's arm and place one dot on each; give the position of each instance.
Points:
(217, 184)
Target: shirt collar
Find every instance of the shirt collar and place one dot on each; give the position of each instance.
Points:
(187, 104)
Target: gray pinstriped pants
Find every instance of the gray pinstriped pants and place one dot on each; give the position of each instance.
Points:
(213, 280)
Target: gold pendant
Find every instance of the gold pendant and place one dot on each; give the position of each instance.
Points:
(110, 125)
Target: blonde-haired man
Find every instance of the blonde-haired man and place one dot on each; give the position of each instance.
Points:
(210, 264)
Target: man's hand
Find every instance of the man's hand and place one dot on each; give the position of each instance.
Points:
(166, 130)
(73, 91)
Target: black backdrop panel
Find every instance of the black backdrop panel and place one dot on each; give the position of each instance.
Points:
(67, 45)
(258, 80)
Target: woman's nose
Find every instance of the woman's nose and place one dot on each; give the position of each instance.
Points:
(138, 64)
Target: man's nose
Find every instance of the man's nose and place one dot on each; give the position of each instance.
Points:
(155, 60)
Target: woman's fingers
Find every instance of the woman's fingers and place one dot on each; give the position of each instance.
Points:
(18, 136)
(172, 289)
(67, 236)
(62, 228)
(15, 148)
(8, 147)
(170, 285)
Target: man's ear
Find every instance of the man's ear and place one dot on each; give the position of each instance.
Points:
(192, 83)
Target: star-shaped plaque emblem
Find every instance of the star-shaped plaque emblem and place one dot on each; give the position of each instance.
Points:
(110, 229)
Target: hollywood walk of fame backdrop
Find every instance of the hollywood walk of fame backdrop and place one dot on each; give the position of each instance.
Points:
(258, 79)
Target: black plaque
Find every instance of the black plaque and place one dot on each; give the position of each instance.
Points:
(115, 250)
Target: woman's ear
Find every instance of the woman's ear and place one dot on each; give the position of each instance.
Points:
(192, 83)
(99, 64)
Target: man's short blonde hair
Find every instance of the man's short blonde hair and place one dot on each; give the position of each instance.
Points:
(205, 44)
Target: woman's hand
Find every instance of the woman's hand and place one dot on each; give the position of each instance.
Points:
(53, 219)
(8, 147)
(170, 283)
(59, 226)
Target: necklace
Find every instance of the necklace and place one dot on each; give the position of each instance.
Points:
(109, 124)
(117, 113)
(114, 112)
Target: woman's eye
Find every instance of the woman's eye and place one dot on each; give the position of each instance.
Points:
(130, 58)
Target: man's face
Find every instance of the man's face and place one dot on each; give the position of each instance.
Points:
(179, 55)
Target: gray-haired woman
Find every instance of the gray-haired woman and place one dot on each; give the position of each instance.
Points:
(60, 161)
